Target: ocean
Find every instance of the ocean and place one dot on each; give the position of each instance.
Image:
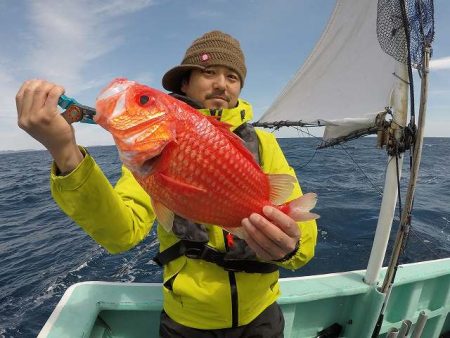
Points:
(42, 252)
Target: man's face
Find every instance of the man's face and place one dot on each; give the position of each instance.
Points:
(215, 87)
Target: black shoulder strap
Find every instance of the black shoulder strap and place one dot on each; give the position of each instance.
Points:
(200, 250)
(194, 238)
(247, 133)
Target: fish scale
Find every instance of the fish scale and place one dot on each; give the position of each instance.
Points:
(223, 173)
(189, 164)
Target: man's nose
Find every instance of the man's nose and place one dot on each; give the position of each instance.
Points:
(219, 82)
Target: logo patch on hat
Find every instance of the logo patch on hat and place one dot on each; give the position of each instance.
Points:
(205, 57)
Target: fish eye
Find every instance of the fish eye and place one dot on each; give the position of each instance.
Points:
(143, 99)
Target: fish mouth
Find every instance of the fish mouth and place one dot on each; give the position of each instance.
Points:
(112, 96)
(116, 87)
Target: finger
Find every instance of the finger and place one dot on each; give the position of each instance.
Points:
(40, 96)
(283, 221)
(253, 244)
(52, 99)
(24, 96)
(19, 97)
(270, 231)
(274, 248)
(26, 110)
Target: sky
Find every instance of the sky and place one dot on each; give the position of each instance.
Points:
(83, 45)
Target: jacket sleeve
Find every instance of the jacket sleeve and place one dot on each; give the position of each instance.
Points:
(274, 162)
(117, 218)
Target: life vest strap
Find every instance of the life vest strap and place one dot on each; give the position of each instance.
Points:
(200, 250)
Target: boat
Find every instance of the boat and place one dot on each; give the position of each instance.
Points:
(366, 58)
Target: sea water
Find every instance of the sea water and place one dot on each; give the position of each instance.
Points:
(42, 252)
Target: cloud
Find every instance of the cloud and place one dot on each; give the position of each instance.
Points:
(444, 92)
(201, 14)
(8, 87)
(145, 77)
(57, 40)
(442, 63)
(113, 8)
(69, 34)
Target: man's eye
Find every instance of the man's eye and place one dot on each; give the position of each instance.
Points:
(208, 71)
(233, 77)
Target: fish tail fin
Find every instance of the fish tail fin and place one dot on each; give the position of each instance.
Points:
(299, 209)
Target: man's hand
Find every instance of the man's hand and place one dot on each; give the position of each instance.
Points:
(271, 237)
(38, 115)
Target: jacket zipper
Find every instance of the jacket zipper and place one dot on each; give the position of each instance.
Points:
(234, 291)
(213, 113)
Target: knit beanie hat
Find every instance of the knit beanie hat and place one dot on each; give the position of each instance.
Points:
(214, 48)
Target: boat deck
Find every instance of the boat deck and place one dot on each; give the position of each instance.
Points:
(310, 304)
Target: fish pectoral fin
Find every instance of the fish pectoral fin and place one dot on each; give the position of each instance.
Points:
(281, 186)
(164, 215)
(178, 186)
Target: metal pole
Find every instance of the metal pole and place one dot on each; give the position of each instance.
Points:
(404, 329)
(417, 154)
(392, 333)
(420, 325)
(399, 104)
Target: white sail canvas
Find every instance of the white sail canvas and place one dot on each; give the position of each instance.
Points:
(346, 81)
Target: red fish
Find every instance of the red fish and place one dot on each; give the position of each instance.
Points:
(190, 164)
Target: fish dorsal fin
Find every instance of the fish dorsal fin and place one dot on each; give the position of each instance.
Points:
(281, 186)
(164, 215)
(238, 143)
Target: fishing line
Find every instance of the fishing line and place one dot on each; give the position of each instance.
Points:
(421, 241)
(306, 132)
(377, 189)
(126, 267)
(310, 135)
(309, 161)
(300, 130)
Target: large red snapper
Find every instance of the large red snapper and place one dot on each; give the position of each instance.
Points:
(190, 164)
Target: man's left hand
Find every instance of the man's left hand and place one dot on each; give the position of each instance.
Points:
(273, 235)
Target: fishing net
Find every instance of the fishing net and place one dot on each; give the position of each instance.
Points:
(392, 35)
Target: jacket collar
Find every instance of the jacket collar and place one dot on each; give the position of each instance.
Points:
(235, 117)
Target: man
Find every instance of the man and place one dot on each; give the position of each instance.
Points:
(214, 284)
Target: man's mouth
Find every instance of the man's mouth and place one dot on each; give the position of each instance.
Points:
(218, 97)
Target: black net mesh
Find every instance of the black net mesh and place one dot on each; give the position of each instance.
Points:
(391, 32)
(421, 22)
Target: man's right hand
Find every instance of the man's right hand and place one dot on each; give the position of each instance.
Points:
(38, 115)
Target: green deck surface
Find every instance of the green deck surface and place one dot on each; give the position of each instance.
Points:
(310, 304)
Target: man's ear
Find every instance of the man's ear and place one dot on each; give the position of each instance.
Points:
(185, 83)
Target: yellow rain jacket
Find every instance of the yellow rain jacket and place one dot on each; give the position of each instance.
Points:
(202, 295)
